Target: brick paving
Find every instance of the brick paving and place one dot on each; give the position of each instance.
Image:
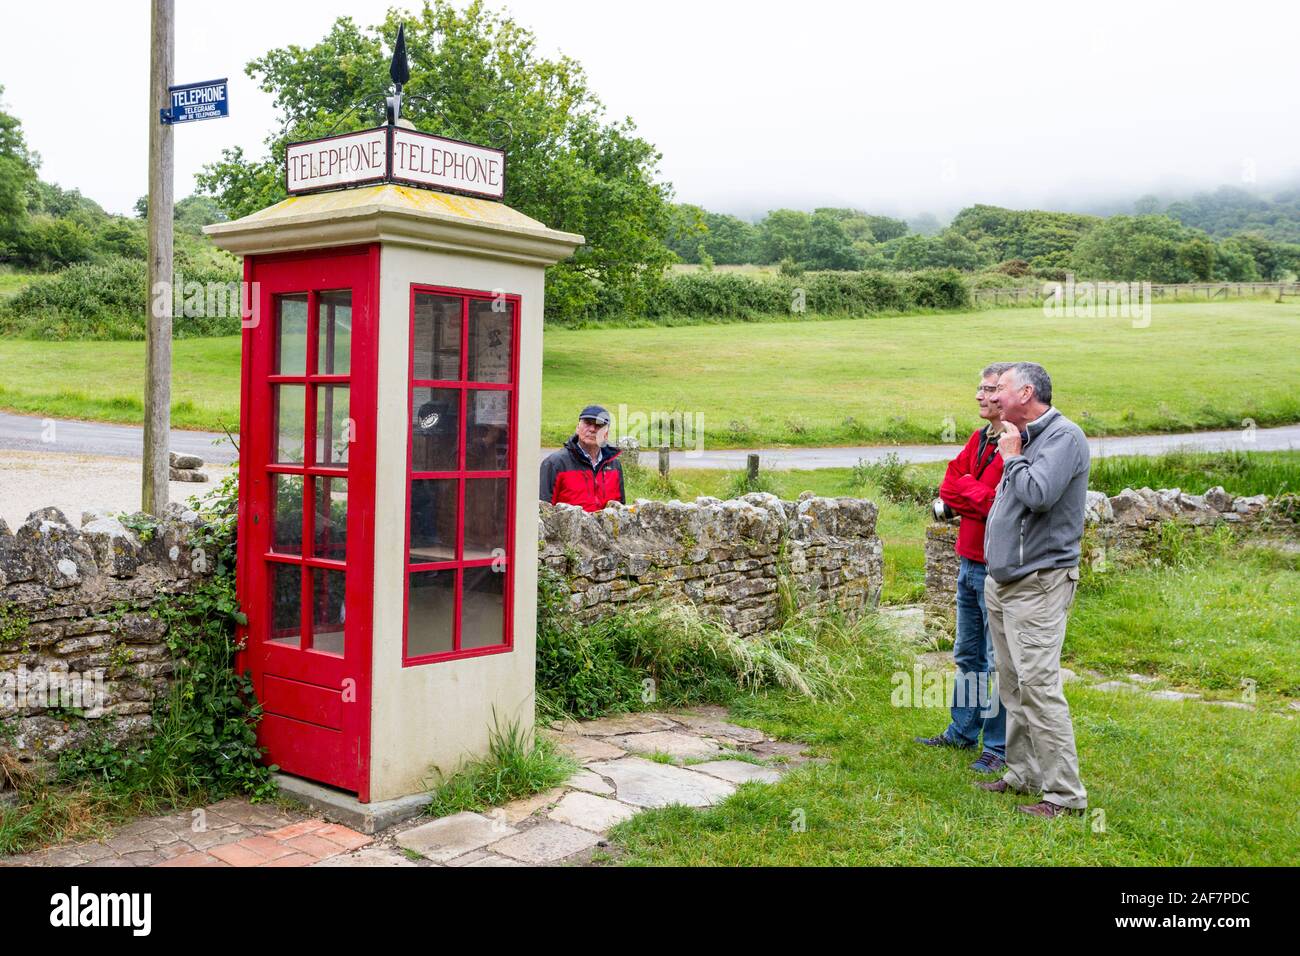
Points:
(693, 757)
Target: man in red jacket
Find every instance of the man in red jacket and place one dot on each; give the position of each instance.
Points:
(586, 471)
(967, 490)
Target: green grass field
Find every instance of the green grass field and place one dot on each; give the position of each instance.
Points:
(1230, 614)
(1169, 783)
(833, 382)
(104, 381)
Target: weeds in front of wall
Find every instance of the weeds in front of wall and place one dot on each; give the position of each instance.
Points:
(672, 653)
(202, 743)
(518, 764)
(897, 481)
(741, 484)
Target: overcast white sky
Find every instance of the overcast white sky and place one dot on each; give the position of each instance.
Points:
(900, 108)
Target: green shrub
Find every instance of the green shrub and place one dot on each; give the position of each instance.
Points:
(203, 739)
(721, 295)
(897, 481)
(938, 289)
(123, 238)
(108, 301)
(48, 243)
(733, 296)
(669, 654)
(1001, 280)
(579, 672)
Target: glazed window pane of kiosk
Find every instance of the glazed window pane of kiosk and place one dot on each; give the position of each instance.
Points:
(286, 606)
(333, 425)
(483, 604)
(327, 610)
(433, 519)
(490, 341)
(291, 337)
(431, 606)
(286, 500)
(334, 341)
(461, 486)
(435, 429)
(485, 517)
(436, 339)
(330, 527)
(290, 416)
(487, 430)
(310, 437)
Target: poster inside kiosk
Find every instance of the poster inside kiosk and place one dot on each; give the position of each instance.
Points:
(395, 154)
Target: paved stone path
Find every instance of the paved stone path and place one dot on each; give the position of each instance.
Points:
(211, 836)
(631, 762)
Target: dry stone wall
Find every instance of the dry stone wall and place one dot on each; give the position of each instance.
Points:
(80, 654)
(1123, 523)
(727, 556)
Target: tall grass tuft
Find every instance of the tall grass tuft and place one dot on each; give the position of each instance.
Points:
(741, 484)
(899, 482)
(518, 764)
(672, 653)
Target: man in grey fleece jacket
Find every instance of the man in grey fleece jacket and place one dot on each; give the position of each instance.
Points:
(1032, 542)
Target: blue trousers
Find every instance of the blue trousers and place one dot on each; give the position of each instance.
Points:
(976, 708)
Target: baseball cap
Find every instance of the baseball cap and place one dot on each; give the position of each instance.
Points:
(596, 412)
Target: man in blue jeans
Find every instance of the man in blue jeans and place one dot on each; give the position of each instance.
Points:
(967, 491)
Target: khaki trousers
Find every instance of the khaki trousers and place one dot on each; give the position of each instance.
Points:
(1027, 620)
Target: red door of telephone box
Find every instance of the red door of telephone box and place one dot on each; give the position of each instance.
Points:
(306, 508)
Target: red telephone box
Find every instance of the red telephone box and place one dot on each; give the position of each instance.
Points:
(390, 433)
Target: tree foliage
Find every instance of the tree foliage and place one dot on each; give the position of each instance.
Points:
(1044, 239)
(695, 233)
(1153, 248)
(45, 227)
(17, 174)
(949, 249)
(1230, 210)
(830, 245)
(477, 75)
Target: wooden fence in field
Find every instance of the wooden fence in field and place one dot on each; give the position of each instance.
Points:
(1031, 295)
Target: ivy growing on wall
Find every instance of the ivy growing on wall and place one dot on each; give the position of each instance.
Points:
(204, 731)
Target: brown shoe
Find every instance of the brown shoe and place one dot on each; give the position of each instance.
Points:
(994, 786)
(1047, 810)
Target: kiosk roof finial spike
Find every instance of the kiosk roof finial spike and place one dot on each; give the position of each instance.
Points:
(399, 69)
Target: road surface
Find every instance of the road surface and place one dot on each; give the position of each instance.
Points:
(30, 433)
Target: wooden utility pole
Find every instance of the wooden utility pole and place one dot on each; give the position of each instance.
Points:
(158, 327)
